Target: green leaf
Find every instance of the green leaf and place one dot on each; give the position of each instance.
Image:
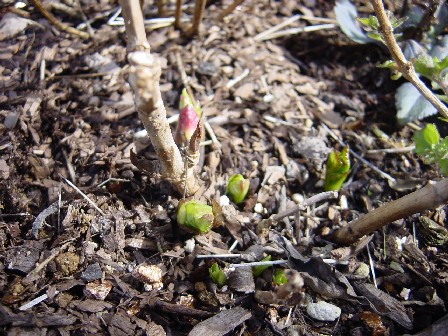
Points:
(337, 169)
(217, 275)
(371, 22)
(237, 188)
(376, 36)
(425, 66)
(195, 217)
(279, 277)
(257, 270)
(444, 166)
(426, 139)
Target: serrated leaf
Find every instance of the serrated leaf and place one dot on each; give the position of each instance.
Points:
(371, 22)
(426, 66)
(376, 36)
(425, 139)
(411, 105)
(337, 169)
(346, 15)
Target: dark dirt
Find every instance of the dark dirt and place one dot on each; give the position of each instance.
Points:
(125, 268)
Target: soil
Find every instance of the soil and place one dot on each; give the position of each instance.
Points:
(115, 262)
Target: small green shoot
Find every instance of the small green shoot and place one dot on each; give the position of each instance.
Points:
(257, 270)
(337, 169)
(195, 217)
(217, 275)
(431, 147)
(237, 188)
(279, 277)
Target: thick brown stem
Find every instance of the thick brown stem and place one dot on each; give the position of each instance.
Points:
(144, 79)
(429, 197)
(199, 8)
(178, 14)
(230, 9)
(405, 67)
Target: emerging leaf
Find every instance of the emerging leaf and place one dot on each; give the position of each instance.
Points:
(195, 217)
(337, 169)
(279, 277)
(371, 22)
(237, 188)
(188, 119)
(217, 275)
(257, 270)
(426, 139)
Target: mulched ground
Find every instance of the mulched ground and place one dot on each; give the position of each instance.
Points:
(126, 268)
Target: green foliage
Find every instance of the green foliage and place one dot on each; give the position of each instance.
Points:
(429, 55)
(337, 169)
(279, 277)
(195, 217)
(257, 270)
(430, 67)
(237, 188)
(431, 148)
(217, 275)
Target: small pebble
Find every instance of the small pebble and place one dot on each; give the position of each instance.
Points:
(258, 208)
(363, 270)
(323, 311)
(298, 198)
(224, 200)
(189, 245)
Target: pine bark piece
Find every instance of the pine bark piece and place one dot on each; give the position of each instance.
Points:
(222, 323)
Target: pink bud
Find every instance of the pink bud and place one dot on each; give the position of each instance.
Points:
(188, 119)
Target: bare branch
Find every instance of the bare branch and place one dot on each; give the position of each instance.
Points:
(428, 197)
(404, 66)
(144, 78)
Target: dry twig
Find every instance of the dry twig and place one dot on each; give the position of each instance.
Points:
(428, 197)
(144, 79)
(404, 66)
(50, 17)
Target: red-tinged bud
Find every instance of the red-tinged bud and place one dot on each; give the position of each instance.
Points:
(188, 119)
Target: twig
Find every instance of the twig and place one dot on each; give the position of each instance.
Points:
(298, 30)
(178, 13)
(259, 263)
(30, 276)
(83, 195)
(35, 301)
(37, 224)
(287, 22)
(428, 197)
(237, 79)
(112, 179)
(392, 150)
(230, 9)
(144, 78)
(199, 8)
(57, 23)
(227, 255)
(372, 266)
(404, 66)
(265, 224)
